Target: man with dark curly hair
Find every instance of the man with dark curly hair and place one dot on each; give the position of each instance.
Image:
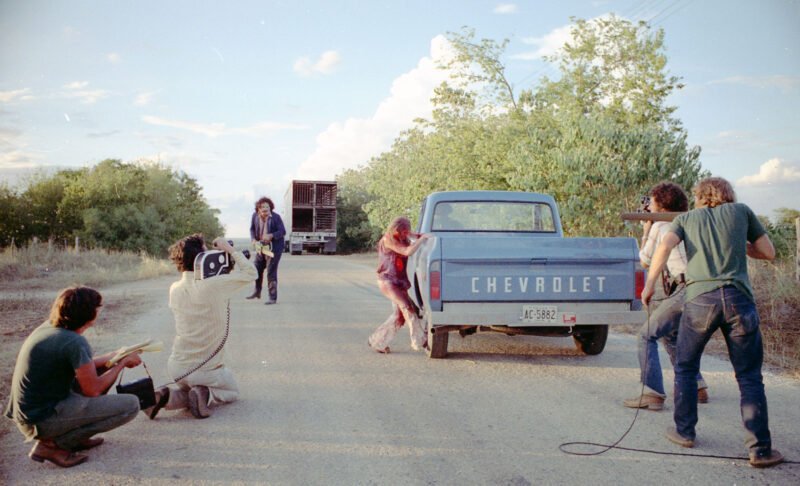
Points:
(201, 312)
(719, 235)
(662, 323)
(267, 231)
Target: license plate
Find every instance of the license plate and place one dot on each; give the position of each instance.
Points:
(539, 314)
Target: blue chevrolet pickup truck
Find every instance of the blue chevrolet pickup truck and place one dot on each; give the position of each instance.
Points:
(499, 262)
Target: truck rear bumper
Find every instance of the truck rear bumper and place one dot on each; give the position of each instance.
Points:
(511, 314)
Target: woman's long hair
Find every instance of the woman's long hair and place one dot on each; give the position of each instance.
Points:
(398, 224)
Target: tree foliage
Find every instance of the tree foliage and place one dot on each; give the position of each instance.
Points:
(113, 205)
(596, 138)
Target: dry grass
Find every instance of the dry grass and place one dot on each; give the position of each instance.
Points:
(40, 266)
(778, 302)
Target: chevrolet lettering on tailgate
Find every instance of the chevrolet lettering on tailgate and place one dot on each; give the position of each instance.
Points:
(498, 261)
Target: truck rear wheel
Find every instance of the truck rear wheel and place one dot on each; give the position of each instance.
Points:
(437, 343)
(590, 340)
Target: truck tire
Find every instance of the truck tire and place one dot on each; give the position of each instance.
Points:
(437, 344)
(590, 340)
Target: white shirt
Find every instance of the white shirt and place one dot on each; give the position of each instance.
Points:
(200, 308)
(676, 263)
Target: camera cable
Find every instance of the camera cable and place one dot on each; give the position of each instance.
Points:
(565, 446)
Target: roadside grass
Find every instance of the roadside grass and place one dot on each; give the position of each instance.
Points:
(777, 296)
(31, 277)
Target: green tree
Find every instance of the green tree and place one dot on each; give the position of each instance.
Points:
(113, 205)
(783, 232)
(11, 220)
(614, 66)
(354, 232)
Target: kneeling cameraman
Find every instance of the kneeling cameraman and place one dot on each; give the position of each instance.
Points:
(201, 315)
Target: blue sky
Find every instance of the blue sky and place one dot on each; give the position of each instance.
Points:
(247, 95)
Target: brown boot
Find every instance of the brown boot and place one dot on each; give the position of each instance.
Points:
(49, 451)
(766, 460)
(645, 400)
(702, 395)
(89, 443)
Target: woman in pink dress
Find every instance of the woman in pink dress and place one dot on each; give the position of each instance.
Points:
(394, 249)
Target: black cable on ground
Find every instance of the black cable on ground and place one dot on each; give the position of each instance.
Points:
(607, 447)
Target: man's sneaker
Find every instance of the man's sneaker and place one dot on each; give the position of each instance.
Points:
(677, 438)
(198, 402)
(645, 400)
(766, 460)
(702, 395)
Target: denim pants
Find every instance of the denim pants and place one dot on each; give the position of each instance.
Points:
(662, 324)
(735, 314)
(271, 265)
(78, 417)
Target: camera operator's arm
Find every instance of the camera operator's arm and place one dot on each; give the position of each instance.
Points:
(649, 244)
(668, 242)
(243, 271)
(95, 380)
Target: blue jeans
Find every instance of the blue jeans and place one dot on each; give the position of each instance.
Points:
(271, 265)
(661, 325)
(733, 312)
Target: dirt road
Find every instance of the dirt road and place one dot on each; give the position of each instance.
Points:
(318, 407)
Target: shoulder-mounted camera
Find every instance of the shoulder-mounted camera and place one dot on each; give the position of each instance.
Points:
(211, 263)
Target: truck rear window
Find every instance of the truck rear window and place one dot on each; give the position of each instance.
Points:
(494, 216)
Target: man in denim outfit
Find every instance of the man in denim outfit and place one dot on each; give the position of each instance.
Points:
(719, 234)
(662, 323)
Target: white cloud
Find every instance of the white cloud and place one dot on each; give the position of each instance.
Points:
(143, 99)
(326, 64)
(114, 57)
(546, 45)
(75, 90)
(550, 43)
(77, 85)
(780, 81)
(353, 142)
(214, 130)
(505, 8)
(773, 171)
(16, 95)
(12, 151)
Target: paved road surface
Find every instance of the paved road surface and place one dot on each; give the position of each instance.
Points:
(318, 407)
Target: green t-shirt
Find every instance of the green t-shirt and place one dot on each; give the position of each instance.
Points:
(716, 247)
(45, 371)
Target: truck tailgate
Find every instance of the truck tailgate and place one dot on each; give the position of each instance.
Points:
(533, 268)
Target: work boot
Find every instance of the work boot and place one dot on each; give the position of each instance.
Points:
(772, 458)
(702, 395)
(198, 402)
(645, 400)
(254, 295)
(676, 438)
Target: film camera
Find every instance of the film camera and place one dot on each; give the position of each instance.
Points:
(211, 263)
(644, 205)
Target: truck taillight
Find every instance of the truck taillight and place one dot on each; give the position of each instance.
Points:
(436, 285)
(640, 278)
